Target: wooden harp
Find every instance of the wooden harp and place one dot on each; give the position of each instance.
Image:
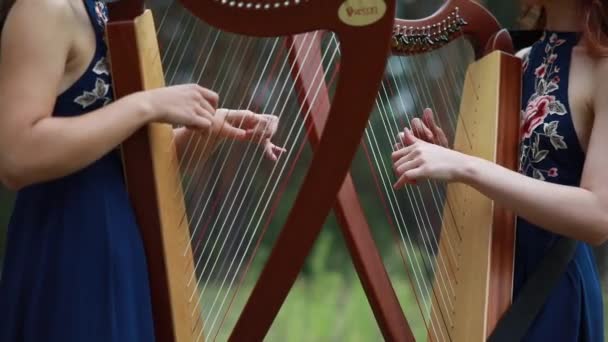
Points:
(452, 261)
(203, 220)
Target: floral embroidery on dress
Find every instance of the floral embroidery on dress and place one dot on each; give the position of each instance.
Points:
(101, 67)
(541, 105)
(525, 62)
(100, 92)
(100, 9)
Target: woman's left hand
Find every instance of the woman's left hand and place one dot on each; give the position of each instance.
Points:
(422, 160)
(259, 128)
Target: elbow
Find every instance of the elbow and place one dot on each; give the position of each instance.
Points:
(12, 175)
(600, 234)
(597, 240)
(11, 182)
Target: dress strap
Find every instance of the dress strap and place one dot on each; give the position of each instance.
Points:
(98, 14)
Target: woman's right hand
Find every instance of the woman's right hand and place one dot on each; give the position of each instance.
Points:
(425, 129)
(188, 105)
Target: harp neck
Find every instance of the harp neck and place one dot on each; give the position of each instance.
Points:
(454, 19)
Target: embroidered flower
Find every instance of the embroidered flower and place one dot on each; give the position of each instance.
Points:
(101, 67)
(101, 11)
(100, 92)
(540, 71)
(536, 132)
(535, 114)
(552, 172)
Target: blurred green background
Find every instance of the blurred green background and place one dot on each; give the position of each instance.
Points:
(327, 302)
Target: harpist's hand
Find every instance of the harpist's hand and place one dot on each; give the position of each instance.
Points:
(259, 128)
(425, 129)
(422, 160)
(187, 105)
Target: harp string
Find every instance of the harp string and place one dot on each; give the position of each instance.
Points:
(234, 258)
(386, 131)
(202, 211)
(231, 189)
(191, 152)
(434, 189)
(216, 162)
(379, 167)
(449, 108)
(216, 180)
(178, 67)
(172, 59)
(256, 225)
(440, 267)
(442, 272)
(442, 293)
(178, 39)
(429, 239)
(171, 72)
(199, 317)
(385, 187)
(191, 185)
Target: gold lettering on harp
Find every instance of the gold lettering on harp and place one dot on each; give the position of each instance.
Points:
(361, 12)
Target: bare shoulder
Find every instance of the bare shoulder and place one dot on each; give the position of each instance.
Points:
(47, 10)
(31, 23)
(37, 38)
(38, 16)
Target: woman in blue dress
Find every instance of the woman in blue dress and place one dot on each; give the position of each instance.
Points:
(75, 268)
(560, 189)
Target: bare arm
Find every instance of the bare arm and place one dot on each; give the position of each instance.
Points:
(34, 145)
(577, 212)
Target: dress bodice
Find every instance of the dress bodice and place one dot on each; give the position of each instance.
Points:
(94, 87)
(550, 151)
